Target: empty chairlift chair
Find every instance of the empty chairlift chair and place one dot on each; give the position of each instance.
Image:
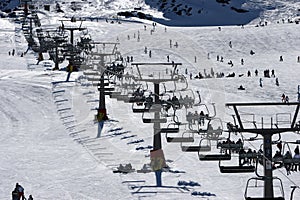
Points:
(255, 187)
(203, 146)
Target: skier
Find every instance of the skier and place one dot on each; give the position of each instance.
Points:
(286, 99)
(30, 197)
(248, 73)
(15, 194)
(260, 82)
(280, 58)
(277, 82)
(283, 97)
(20, 191)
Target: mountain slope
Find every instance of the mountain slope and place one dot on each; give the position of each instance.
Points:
(180, 12)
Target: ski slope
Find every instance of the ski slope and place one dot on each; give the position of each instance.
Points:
(48, 136)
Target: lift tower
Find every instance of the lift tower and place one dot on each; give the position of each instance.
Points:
(267, 134)
(109, 49)
(156, 73)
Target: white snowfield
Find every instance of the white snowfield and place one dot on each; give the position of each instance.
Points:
(48, 135)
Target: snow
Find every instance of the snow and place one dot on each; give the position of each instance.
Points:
(48, 135)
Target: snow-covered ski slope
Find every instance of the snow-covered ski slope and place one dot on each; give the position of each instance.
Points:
(48, 137)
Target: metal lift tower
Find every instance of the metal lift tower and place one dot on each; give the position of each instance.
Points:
(267, 134)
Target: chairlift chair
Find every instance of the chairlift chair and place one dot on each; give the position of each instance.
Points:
(291, 163)
(204, 107)
(255, 186)
(136, 108)
(222, 155)
(169, 129)
(177, 139)
(186, 98)
(148, 117)
(201, 147)
(240, 168)
(214, 129)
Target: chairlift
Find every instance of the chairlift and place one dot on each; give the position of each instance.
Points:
(254, 186)
(214, 129)
(148, 117)
(241, 167)
(204, 107)
(291, 163)
(167, 130)
(139, 108)
(186, 98)
(222, 155)
(176, 139)
(214, 157)
(201, 147)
